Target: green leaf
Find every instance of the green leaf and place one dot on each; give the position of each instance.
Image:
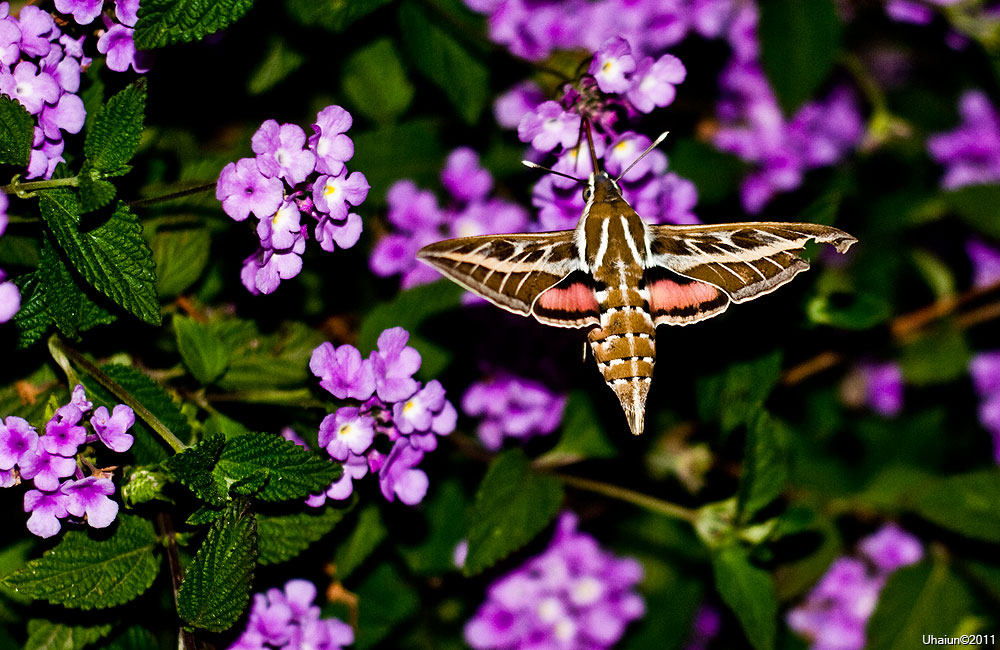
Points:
(966, 504)
(936, 358)
(368, 533)
(291, 472)
(917, 600)
(195, 468)
(67, 303)
(180, 257)
(272, 361)
(216, 585)
(376, 83)
(409, 310)
(134, 638)
(799, 42)
(83, 573)
(385, 599)
(513, 505)
(33, 319)
(976, 206)
(715, 173)
(282, 537)
(445, 511)
(49, 635)
(332, 15)
(16, 131)
(411, 149)
(112, 257)
(162, 22)
(113, 138)
(203, 352)
(749, 593)
(94, 191)
(859, 310)
(582, 436)
(280, 61)
(765, 464)
(938, 276)
(735, 395)
(445, 60)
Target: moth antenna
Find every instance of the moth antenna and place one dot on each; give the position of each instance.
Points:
(528, 163)
(656, 142)
(590, 143)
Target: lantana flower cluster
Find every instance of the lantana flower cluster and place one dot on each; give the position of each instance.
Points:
(40, 68)
(418, 220)
(53, 463)
(836, 612)
(10, 296)
(292, 177)
(393, 408)
(970, 153)
(574, 595)
(512, 407)
(985, 366)
(287, 618)
(116, 39)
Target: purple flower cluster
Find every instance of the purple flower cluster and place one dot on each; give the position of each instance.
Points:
(40, 68)
(970, 153)
(10, 297)
(512, 407)
(393, 405)
(877, 385)
(752, 126)
(574, 595)
(418, 220)
(48, 459)
(288, 619)
(835, 613)
(985, 370)
(115, 40)
(292, 176)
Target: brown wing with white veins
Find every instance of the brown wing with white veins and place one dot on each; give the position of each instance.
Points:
(746, 260)
(514, 271)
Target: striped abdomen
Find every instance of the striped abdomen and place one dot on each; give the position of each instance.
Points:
(625, 349)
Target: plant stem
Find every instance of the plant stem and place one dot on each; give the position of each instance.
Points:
(58, 347)
(653, 504)
(197, 189)
(24, 190)
(299, 397)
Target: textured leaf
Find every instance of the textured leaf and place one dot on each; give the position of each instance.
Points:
(385, 599)
(917, 600)
(291, 472)
(162, 22)
(333, 15)
(203, 352)
(376, 83)
(94, 192)
(67, 303)
(151, 395)
(83, 573)
(798, 47)
(133, 638)
(112, 257)
(50, 635)
(180, 257)
(16, 131)
(279, 360)
(216, 585)
(445, 60)
(283, 537)
(33, 319)
(513, 505)
(368, 533)
(735, 395)
(966, 504)
(114, 135)
(195, 468)
(765, 464)
(749, 593)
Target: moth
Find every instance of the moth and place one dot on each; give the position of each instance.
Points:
(621, 277)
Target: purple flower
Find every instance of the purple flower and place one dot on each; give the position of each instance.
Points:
(38, 30)
(289, 619)
(417, 412)
(884, 387)
(343, 372)
(281, 152)
(985, 263)
(464, 178)
(706, 626)
(46, 509)
(127, 12)
(118, 45)
(111, 430)
(10, 40)
(891, 548)
(328, 141)
(548, 127)
(345, 431)
(46, 469)
(84, 11)
(399, 476)
(573, 595)
(332, 234)
(263, 271)
(355, 467)
(243, 189)
(334, 194)
(512, 407)
(394, 364)
(626, 150)
(907, 11)
(283, 229)
(31, 87)
(985, 370)
(653, 83)
(67, 115)
(612, 65)
(18, 439)
(971, 153)
(89, 497)
(511, 106)
(63, 433)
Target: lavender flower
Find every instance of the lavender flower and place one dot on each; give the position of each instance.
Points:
(970, 153)
(512, 407)
(705, 627)
(393, 407)
(985, 370)
(573, 595)
(287, 618)
(883, 387)
(835, 613)
(294, 179)
(985, 263)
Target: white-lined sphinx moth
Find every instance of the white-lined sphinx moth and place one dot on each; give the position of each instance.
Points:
(622, 277)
